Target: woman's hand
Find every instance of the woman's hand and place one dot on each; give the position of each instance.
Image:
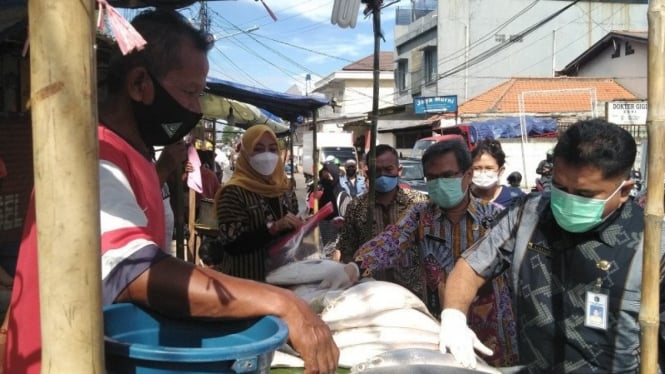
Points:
(288, 222)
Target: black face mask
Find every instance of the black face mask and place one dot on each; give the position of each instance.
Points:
(165, 121)
(351, 172)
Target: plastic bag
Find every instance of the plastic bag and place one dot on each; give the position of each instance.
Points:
(294, 246)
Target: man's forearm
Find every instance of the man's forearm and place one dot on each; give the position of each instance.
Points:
(176, 287)
(461, 286)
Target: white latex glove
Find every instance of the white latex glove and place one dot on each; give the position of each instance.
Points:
(456, 337)
(340, 276)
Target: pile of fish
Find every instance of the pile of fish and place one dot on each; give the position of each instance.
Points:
(375, 324)
(413, 360)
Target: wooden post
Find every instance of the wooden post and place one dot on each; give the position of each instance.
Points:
(371, 165)
(64, 118)
(649, 311)
(192, 242)
(315, 180)
(179, 211)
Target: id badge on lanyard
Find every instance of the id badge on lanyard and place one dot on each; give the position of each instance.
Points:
(597, 302)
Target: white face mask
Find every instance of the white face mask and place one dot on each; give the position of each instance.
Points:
(264, 163)
(485, 179)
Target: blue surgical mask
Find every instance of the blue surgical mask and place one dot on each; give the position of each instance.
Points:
(385, 183)
(577, 213)
(446, 192)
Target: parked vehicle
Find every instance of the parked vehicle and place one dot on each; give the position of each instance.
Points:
(636, 176)
(460, 132)
(412, 175)
(331, 145)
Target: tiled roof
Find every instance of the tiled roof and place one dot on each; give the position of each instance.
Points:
(504, 97)
(386, 62)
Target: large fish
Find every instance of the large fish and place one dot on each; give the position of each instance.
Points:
(421, 369)
(369, 298)
(301, 272)
(414, 360)
(282, 359)
(352, 355)
(404, 318)
(382, 334)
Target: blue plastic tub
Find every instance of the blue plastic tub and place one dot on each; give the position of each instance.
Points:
(138, 341)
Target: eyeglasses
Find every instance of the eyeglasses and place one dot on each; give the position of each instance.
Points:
(448, 174)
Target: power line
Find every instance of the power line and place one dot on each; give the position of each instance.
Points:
(230, 60)
(569, 44)
(306, 69)
(494, 50)
(461, 52)
(304, 49)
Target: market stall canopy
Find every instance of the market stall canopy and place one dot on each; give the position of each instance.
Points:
(244, 115)
(283, 105)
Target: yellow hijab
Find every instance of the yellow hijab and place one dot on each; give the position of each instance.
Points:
(246, 177)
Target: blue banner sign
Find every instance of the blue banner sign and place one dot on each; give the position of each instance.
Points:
(435, 104)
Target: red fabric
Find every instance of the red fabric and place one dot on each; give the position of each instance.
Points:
(209, 182)
(143, 179)
(3, 169)
(24, 349)
(23, 352)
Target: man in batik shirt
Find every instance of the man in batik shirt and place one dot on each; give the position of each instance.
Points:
(391, 202)
(440, 231)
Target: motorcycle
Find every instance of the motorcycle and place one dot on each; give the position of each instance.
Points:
(636, 176)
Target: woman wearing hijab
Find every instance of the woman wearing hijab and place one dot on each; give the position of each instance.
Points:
(330, 187)
(255, 207)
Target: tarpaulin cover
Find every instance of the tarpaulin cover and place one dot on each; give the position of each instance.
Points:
(283, 105)
(509, 127)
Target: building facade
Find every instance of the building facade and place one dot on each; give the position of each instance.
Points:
(620, 55)
(477, 44)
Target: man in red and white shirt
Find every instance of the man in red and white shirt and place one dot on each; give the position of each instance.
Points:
(154, 100)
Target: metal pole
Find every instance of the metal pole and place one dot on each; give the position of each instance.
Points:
(553, 53)
(64, 117)
(466, 61)
(524, 134)
(653, 214)
(376, 25)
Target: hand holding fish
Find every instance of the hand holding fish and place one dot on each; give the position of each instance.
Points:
(341, 276)
(459, 339)
(311, 337)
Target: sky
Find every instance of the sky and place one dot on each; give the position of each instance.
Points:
(281, 53)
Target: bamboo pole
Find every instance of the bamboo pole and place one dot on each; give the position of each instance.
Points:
(315, 179)
(649, 311)
(64, 117)
(192, 241)
(179, 211)
(371, 165)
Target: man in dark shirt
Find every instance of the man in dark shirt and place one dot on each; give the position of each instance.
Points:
(576, 261)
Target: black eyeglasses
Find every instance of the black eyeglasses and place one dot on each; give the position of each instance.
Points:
(448, 174)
